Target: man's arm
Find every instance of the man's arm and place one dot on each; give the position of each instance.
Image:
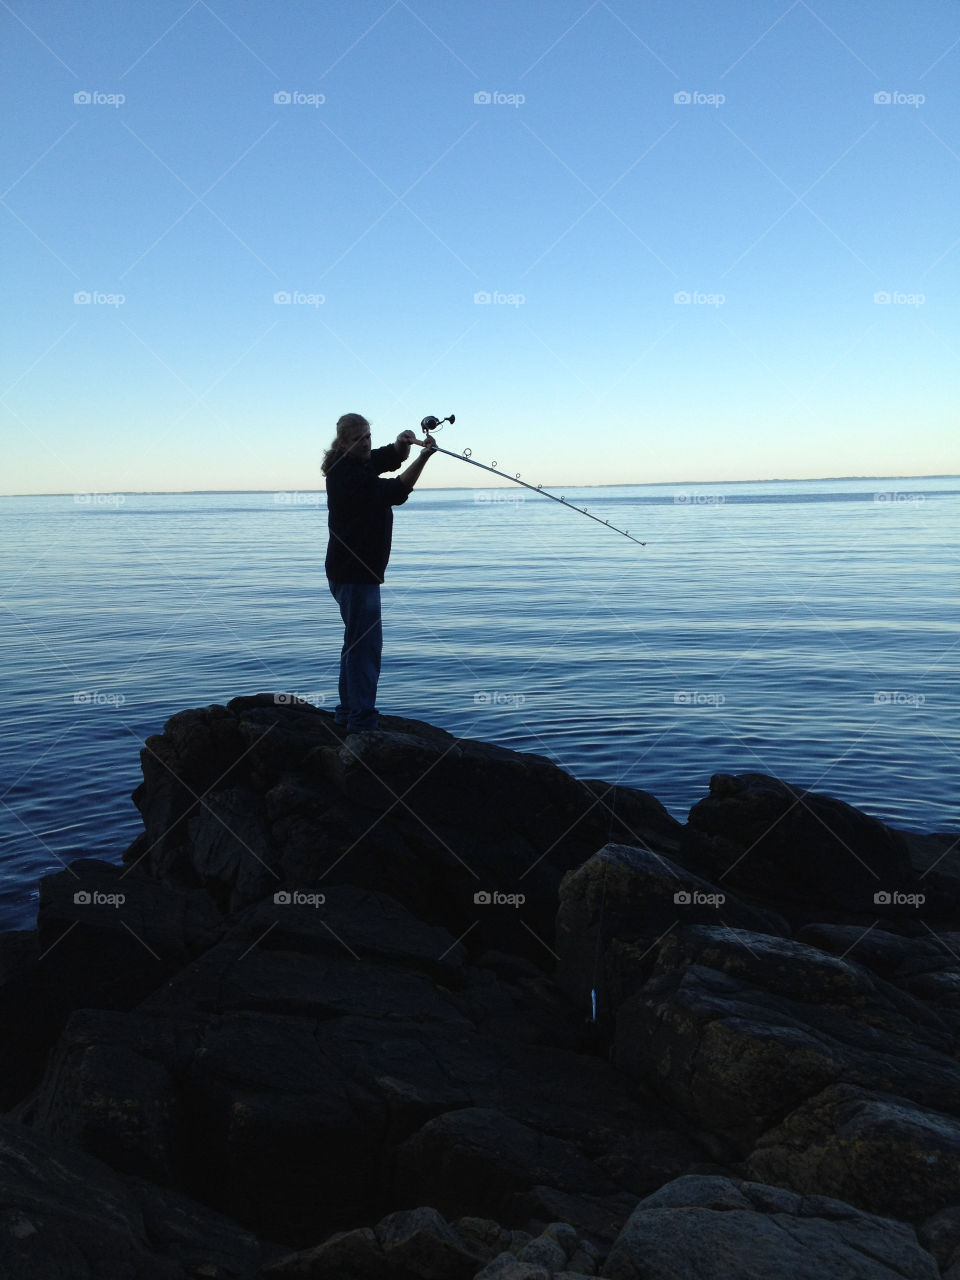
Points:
(412, 474)
(387, 458)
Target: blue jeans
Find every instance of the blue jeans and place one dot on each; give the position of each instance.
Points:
(360, 656)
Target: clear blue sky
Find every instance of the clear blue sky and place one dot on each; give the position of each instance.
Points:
(397, 198)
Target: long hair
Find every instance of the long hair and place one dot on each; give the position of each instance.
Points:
(345, 425)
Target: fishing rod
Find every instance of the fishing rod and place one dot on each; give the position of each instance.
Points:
(431, 423)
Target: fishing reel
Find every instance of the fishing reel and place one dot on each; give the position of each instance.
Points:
(431, 423)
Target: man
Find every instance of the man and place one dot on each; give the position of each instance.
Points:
(360, 518)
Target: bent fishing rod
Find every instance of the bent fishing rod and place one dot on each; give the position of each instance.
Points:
(431, 424)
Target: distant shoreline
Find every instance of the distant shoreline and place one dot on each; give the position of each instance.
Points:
(642, 484)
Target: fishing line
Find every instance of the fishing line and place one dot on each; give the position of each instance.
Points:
(434, 424)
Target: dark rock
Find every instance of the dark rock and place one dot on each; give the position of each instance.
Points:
(737, 1029)
(617, 907)
(940, 1234)
(876, 1151)
(66, 1214)
(793, 848)
(400, 811)
(720, 1229)
(926, 967)
(477, 1158)
(110, 936)
(106, 938)
(418, 1242)
(327, 1008)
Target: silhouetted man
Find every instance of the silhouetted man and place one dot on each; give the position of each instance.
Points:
(360, 518)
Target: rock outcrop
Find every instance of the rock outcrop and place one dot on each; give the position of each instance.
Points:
(400, 1005)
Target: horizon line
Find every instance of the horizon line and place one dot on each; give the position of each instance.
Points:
(637, 484)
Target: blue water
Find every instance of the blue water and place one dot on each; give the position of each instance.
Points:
(804, 629)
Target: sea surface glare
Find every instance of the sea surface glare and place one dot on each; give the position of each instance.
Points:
(806, 629)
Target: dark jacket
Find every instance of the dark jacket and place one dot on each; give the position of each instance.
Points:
(360, 515)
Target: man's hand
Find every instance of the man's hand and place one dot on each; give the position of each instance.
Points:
(428, 444)
(405, 439)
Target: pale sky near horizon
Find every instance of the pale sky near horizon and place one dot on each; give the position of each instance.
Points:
(623, 242)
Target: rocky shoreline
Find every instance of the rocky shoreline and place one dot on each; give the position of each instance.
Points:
(398, 1005)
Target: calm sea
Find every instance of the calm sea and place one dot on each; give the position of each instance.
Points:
(804, 629)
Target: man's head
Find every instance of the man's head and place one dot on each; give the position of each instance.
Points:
(353, 436)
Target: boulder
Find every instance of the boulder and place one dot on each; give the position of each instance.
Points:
(737, 1029)
(617, 907)
(876, 1151)
(708, 1228)
(795, 850)
(66, 1214)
